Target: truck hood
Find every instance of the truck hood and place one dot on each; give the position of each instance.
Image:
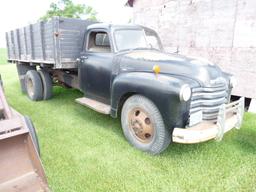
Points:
(203, 71)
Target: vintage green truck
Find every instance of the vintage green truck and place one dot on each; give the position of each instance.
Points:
(124, 71)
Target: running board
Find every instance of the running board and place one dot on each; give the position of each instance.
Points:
(95, 105)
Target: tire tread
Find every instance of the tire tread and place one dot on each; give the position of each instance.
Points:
(37, 82)
(47, 84)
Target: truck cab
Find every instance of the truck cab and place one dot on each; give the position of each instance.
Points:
(124, 72)
(104, 43)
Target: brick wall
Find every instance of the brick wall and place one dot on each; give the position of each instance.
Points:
(223, 31)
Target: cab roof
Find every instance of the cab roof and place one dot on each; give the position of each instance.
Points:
(108, 26)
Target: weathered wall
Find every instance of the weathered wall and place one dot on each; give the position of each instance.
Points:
(223, 31)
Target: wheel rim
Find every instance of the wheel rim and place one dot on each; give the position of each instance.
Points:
(140, 125)
(30, 89)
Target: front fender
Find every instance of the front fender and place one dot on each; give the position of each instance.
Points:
(162, 89)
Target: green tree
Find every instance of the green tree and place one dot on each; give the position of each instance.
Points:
(66, 8)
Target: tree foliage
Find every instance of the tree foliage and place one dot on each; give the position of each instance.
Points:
(66, 8)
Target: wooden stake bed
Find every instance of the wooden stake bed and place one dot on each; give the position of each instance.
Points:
(20, 165)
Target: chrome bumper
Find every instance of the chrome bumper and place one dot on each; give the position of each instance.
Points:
(230, 116)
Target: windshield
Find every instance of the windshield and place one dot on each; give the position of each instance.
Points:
(130, 39)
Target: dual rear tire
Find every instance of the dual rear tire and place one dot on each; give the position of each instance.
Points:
(38, 85)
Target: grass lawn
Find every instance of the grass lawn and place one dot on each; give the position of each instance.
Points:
(85, 151)
(3, 56)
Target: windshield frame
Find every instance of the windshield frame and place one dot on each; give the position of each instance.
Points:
(154, 33)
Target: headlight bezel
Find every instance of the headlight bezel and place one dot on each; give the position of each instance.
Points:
(185, 93)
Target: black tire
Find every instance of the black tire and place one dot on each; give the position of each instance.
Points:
(47, 84)
(22, 70)
(154, 142)
(32, 132)
(34, 87)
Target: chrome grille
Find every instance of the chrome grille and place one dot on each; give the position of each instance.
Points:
(209, 100)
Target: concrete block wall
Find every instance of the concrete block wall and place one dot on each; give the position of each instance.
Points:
(222, 31)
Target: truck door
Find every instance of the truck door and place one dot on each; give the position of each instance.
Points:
(96, 66)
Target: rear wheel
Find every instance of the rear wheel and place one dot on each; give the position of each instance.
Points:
(47, 84)
(33, 84)
(143, 125)
(22, 70)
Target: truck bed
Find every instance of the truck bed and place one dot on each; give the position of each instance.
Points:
(56, 43)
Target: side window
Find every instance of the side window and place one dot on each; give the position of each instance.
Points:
(99, 42)
(152, 40)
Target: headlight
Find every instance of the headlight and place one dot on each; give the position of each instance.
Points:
(233, 81)
(185, 92)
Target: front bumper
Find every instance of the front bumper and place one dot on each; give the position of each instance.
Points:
(230, 116)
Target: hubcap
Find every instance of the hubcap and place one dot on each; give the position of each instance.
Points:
(30, 87)
(140, 125)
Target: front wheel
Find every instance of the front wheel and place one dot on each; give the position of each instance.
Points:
(143, 125)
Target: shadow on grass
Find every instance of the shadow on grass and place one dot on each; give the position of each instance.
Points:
(65, 95)
(246, 141)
